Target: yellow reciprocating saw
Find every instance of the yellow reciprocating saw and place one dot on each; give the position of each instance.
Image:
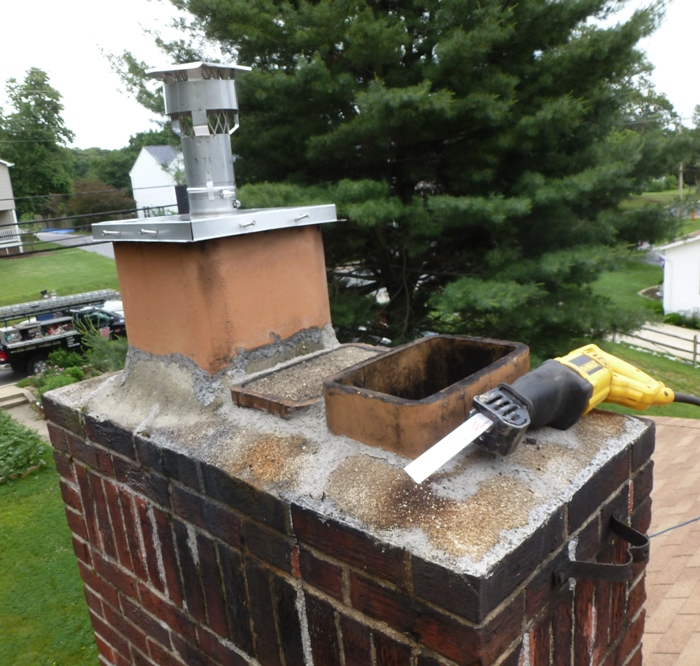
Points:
(556, 394)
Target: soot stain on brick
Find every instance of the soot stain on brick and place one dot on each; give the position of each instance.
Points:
(387, 499)
(272, 459)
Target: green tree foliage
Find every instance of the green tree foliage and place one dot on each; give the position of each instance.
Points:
(92, 195)
(479, 151)
(33, 137)
(113, 166)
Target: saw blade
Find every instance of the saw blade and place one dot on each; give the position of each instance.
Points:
(448, 447)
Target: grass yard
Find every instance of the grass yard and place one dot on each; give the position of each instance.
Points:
(43, 615)
(67, 271)
(622, 286)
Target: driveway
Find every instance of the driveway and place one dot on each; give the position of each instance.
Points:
(664, 338)
(86, 243)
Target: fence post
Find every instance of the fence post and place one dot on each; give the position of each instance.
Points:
(695, 351)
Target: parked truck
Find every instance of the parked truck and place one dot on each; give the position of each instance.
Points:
(29, 332)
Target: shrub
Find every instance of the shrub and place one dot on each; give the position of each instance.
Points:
(689, 320)
(20, 448)
(103, 354)
(66, 359)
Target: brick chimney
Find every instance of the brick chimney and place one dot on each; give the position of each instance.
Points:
(209, 533)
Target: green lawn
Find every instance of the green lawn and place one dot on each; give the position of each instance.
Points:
(67, 272)
(623, 286)
(43, 615)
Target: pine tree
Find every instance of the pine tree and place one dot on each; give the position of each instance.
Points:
(479, 150)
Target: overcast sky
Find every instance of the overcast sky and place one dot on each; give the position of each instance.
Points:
(67, 38)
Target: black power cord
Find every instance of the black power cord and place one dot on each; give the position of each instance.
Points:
(688, 399)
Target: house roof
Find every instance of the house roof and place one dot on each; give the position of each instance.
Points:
(685, 240)
(165, 155)
(7, 164)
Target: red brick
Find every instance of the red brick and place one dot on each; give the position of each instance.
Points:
(584, 631)
(112, 572)
(237, 603)
(150, 626)
(132, 534)
(562, 624)
(104, 462)
(165, 611)
(191, 583)
(602, 485)
(167, 549)
(139, 659)
(57, 436)
(110, 635)
(71, 496)
(208, 515)
(636, 598)
(82, 551)
(643, 484)
(103, 522)
(161, 657)
(64, 466)
(217, 650)
(630, 641)
(77, 524)
(284, 599)
(641, 519)
(539, 643)
(268, 545)
(356, 642)
(643, 448)
(211, 582)
(81, 450)
(151, 485)
(244, 498)
(88, 506)
(434, 630)
(132, 633)
(602, 605)
(63, 416)
(391, 653)
(348, 545)
(150, 544)
(323, 575)
(190, 654)
(110, 435)
(93, 601)
(115, 514)
(181, 467)
(263, 615)
(104, 649)
(98, 584)
(324, 639)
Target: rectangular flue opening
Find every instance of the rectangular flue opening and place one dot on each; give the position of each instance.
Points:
(421, 370)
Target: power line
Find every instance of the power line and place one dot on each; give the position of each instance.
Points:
(76, 194)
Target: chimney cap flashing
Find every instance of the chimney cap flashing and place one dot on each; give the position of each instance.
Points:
(184, 229)
(162, 72)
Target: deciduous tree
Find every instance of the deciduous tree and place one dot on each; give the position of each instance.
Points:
(33, 136)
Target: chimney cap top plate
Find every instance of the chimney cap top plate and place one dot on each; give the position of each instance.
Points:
(162, 72)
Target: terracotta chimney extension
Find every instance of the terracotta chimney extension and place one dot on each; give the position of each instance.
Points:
(219, 281)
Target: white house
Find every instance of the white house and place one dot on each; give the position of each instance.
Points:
(156, 172)
(10, 240)
(681, 274)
